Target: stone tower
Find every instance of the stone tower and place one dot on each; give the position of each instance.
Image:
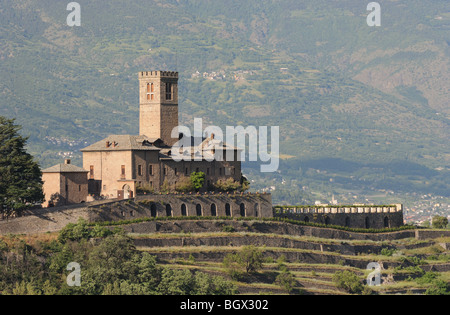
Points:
(158, 99)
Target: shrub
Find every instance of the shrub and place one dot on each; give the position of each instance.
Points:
(228, 229)
(439, 222)
(349, 281)
(439, 287)
(387, 252)
(286, 280)
(247, 261)
(198, 180)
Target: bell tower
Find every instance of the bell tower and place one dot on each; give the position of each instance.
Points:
(158, 99)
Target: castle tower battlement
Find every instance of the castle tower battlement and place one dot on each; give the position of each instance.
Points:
(158, 74)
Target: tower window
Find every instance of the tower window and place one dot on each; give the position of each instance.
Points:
(168, 91)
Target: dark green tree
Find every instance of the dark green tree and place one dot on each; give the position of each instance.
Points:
(20, 176)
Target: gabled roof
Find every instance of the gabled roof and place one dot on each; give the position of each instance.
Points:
(65, 168)
(126, 143)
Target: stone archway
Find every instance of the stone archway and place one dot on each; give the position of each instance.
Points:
(242, 210)
(127, 192)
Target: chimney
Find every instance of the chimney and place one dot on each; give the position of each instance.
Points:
(67, 162)
(108, 144)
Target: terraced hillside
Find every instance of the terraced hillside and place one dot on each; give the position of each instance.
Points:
(411, 263)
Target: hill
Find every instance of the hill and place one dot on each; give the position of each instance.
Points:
(366, 108)
(187, 257)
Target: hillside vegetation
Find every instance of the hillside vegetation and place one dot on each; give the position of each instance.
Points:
(366, 107)
(232, 261)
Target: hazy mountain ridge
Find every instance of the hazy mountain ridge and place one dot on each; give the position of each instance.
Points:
(350, 92)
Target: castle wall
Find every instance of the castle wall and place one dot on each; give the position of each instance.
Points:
(145, 206)
(365, 217)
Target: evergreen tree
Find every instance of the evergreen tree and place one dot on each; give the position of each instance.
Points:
(20, 176)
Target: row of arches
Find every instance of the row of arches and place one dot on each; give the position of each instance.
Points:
(199, 210)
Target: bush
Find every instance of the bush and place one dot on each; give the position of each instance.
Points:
(81, 230)
(198, 180)
(228, 229)
(439, 222)
(247, 261)
(286, 280)
(349, 281)
(387, 252)
(439, 287)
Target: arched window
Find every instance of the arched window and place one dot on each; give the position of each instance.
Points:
(306, 220)
(367, 223)
(327, 221)
(213, 210)
(153, 210)
(198, 209)
(183, 210)
(242, 208)
(257, 210)
(386, 222)
(168, 210)
(347, 221)
(228, 210)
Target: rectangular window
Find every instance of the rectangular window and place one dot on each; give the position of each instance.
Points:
(122, 174)
(91, 173)
(165, 170)
(169, 91)
(186, 172)
(176, 171)
(150, 167)
(79, 187)
(140, 170)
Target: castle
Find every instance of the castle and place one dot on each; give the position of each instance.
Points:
(120, 166)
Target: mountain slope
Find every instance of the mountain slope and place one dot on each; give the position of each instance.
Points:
(372, 98)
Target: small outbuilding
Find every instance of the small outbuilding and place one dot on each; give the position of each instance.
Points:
(65, 184)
